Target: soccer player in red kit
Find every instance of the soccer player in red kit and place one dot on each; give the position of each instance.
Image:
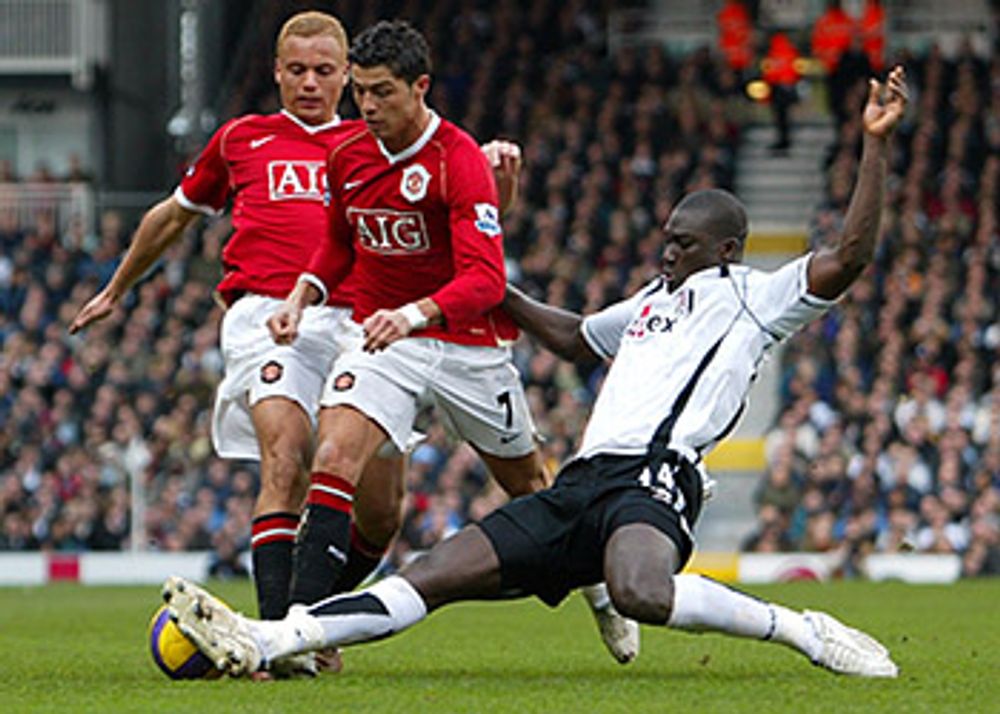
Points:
(273, 167)
(414, 220)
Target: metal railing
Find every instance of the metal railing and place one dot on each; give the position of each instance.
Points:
(63, 202)
(53, 37)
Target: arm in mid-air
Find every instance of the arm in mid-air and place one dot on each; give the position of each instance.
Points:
(832, 269)
(558, 330)
(160, 227)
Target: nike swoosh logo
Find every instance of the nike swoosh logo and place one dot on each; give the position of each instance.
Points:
(257, 143)
(351, 184)
(508, 439)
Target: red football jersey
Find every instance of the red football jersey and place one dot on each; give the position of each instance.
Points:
(420, 223)
(274, 167)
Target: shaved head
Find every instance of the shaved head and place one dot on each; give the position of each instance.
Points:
(707, 228)
(717, 213)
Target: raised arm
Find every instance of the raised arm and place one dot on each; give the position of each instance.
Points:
(833, 268)
(558, 330)
(160, 227)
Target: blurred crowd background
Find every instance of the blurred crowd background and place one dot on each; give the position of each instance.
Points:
(888, 433)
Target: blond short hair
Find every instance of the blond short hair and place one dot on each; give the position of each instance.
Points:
(311, 24)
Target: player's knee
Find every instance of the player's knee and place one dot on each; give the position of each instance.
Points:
(524, 482)
(332, 458)
(643, 598)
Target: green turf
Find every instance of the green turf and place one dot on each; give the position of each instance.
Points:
(70, 648)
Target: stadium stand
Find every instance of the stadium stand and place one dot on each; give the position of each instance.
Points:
(888, 439)
(889, 433)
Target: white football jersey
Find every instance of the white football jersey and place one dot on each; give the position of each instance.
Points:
(684, 360)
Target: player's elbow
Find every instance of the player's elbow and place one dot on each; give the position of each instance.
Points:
(854, 257)
(851, 264)
(493, 288)
(582, 355)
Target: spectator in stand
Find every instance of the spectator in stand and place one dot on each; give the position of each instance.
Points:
(872, 28)
(782, 76)
(916, 338)
(831, 37)
(736, 36)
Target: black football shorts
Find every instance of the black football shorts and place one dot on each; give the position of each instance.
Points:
(552, 542)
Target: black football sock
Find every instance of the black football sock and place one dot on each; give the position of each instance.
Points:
(362, 559)
(271, 543)
(321, 546)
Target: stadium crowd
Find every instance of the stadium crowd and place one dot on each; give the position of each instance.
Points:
(889, 437)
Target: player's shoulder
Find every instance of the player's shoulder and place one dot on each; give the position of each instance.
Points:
(343, 130)
(351, 131)
(232, 128)
(456, 141)
(454, 135)
(797, 264)
(244, 123)
(352, 136)
(352, 126)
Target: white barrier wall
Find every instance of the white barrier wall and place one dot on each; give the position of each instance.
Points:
(100, 568)
(152, 568)
(23, 569)
(915, 568)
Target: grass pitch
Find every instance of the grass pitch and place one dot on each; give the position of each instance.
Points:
(73, 648)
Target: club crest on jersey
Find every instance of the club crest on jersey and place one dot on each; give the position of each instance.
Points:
(658, 316)
(415, 181)
(271, 372)
(488, 219)
(343, 382)
(296, 180)
(388, 232)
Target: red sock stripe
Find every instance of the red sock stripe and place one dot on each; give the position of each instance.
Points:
(331, 491)
(273, 527)
(363, 545)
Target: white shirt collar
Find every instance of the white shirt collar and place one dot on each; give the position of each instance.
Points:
(312, 128)
(416, 146)
(709, 273)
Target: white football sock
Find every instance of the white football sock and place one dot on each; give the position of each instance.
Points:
(704, 605)
(297, 632)
(388, 606)
(385, 608)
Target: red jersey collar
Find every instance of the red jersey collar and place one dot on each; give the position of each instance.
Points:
(311, 128)
(416, 146)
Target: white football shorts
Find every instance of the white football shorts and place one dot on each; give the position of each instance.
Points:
(257, 368)
(477, 392)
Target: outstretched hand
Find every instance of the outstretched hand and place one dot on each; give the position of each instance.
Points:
(97, 308)
(886, 103)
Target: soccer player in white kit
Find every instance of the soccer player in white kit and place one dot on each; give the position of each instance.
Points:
(415, 222)
(685, 349)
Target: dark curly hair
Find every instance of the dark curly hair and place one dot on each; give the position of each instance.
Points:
(397, 45)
